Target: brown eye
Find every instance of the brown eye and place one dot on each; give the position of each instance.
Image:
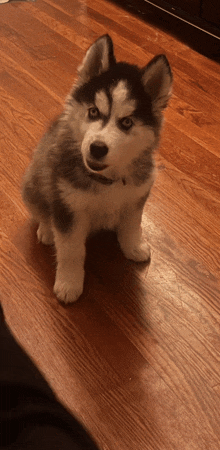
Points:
(126, 123)
(93, 113)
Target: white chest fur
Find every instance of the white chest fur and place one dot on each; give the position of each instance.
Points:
(103, 206)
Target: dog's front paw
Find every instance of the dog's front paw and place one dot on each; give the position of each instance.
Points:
(66, 290)
(45, 234)
(138, 253)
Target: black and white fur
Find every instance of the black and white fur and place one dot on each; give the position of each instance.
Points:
(94, 168)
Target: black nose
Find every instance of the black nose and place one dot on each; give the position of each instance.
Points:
(98, 150)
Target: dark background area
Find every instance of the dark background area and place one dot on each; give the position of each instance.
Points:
(195, 22)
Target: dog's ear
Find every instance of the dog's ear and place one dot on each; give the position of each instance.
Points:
(157, 79)
(98, 59)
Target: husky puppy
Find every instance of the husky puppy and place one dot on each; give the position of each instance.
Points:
(94, 169)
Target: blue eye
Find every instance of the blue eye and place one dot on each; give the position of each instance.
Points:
(93, 113)
(126, 123)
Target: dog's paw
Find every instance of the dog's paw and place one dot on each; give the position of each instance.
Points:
(138, 253)
(45, 234)
(68, 291)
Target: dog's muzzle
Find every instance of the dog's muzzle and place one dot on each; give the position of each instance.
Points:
(98, 151)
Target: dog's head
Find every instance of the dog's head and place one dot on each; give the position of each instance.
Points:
(115, 109)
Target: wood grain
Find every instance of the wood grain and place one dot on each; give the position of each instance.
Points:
(137, 358)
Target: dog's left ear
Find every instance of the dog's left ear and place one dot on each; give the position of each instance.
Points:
(157, 79)
(98, 59)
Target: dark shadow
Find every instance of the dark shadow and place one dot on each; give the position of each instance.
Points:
(106, 267)
(118, 278)
(98, 336)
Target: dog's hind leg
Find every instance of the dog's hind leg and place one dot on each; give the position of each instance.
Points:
(38, 207)
(45, 233)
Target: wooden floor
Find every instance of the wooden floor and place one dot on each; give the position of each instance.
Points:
(137, 358)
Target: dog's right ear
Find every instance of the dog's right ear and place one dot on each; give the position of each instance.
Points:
(98, 59)
(157, 79)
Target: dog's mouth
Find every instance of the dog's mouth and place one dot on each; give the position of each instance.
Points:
(96, 166)
(95, 169)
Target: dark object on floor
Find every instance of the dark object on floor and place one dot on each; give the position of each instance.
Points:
(30, 415)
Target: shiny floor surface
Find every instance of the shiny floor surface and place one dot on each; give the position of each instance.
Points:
(137, 358)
